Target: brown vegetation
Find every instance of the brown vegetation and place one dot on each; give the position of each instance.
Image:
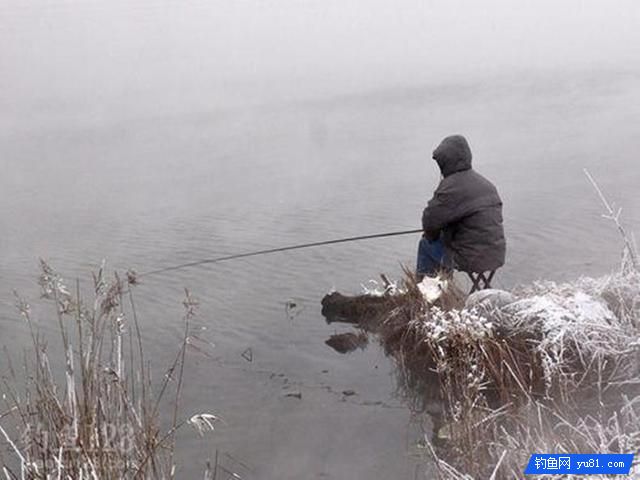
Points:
(98, 416)
(555, 371)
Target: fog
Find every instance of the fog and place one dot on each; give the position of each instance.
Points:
(97, 60)
(161, 132)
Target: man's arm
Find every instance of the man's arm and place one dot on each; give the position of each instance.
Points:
(440, 211)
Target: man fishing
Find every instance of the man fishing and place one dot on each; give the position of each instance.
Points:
(462, 223)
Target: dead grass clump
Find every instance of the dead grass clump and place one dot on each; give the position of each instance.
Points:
(553, 371)
(98, 416)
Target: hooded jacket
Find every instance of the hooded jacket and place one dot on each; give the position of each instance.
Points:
(466, 209)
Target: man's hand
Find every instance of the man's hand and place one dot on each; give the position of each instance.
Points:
(431, 235)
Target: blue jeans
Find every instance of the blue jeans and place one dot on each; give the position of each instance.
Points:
(432, 258)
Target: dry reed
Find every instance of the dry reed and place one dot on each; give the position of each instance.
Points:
(554, 371)
(101, 418)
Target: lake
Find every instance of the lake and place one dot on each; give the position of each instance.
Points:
(157, 189)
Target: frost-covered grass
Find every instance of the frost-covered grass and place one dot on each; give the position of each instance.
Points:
(554, 369)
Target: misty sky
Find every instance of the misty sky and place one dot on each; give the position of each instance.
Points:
(111, 54)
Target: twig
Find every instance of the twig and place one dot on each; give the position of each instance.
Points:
(13, 446)
(495, 470)
(615, 217)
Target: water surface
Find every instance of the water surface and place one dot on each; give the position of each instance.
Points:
(161, 189)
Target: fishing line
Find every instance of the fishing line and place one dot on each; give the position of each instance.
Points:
(274, 250)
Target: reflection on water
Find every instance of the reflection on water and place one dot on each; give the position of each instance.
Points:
(170, 190)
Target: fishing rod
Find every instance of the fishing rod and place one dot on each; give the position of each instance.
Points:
(279, 249)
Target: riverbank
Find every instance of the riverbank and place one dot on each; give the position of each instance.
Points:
(549, 367)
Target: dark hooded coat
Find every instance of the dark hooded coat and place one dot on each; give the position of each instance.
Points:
(466, 210)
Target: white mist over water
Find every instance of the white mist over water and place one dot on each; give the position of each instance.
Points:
(158, 132)
(98, 61)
